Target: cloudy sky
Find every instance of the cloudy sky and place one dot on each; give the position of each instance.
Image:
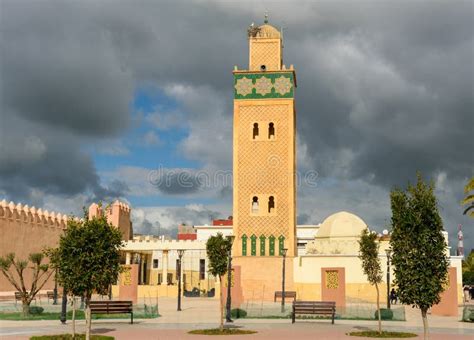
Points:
(105, 99)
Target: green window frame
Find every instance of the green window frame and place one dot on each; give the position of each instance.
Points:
(253, 245)
(271, 248)
(281, 245)
(262, 245)
(244, 245)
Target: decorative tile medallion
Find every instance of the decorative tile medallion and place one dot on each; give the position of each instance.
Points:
(282, 85)
(264, 85)
(244, 86)
(127, 276)
(332, 279)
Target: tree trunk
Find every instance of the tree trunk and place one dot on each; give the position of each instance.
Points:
(221, 304)
(424, 316)
(73, 317)
(88, 317)
(25, 308)
(378, 308)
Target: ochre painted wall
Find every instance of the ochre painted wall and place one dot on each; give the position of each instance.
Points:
(262, 276)
(24, 231)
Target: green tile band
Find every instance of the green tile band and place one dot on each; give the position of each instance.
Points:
(264, 85)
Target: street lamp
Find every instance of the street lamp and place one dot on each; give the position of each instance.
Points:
(283, 251)
(55, 290)
(230, 238)
(388, 251)
(180, 255)
(64, 307)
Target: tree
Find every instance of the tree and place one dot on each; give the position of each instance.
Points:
(40, 276)
(369, 255)
(419, 257)
(88, 259)
(468, 269)
(469, 199)
(217, 248)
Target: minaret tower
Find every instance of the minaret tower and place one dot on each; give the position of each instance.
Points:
(264, 161)
(460, 251)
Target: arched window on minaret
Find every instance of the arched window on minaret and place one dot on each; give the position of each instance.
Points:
(255, 205)
(255, 130)
(271, 131)
(271, 204)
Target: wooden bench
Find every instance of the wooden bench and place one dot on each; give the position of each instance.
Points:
(18, 297)
(290, 294)
(313, 308)
(50, 295)
(112, 307)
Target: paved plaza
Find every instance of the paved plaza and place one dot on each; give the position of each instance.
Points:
(201, 313)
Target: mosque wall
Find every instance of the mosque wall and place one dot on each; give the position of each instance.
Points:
(25, 230)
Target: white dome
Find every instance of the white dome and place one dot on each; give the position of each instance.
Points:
(341, 224)
(268, 31)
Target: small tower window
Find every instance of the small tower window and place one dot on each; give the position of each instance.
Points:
(271, 131)
(263, 68)
(255, 205)
(255, 130)
(271, 204)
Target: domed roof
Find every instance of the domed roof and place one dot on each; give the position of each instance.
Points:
(268, 31)
(341, 224)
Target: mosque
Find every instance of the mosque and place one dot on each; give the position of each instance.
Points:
(321, 261)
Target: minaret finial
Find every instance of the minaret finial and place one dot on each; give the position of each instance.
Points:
(266, 18)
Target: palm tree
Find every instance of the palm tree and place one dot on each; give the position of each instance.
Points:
(469, 199)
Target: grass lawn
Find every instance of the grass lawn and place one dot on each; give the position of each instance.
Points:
(16, 316)
(69, 337)
(225, 331)
(384, 334)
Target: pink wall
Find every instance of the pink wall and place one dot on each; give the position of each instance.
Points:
(448, 306)
(25, 230)
(334, 294)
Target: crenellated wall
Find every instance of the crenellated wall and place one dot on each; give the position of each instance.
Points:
(118, 214)
(25, 230)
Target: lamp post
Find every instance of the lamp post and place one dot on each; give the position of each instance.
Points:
(64, 307)
(55, 290)
(388, 251)
(180, 256)
(284, 250)
(230, 238)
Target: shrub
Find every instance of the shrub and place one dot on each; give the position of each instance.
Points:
(238, 313)
(386, 314)
(151, 310)
(36, 310)
(468, 314)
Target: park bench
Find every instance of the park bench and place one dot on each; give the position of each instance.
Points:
(18, 297)
(112, 307)
(279, 294)
(313, 308)
(50, 295)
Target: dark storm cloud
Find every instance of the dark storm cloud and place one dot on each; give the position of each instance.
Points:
(175, 182)
(385, 88)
